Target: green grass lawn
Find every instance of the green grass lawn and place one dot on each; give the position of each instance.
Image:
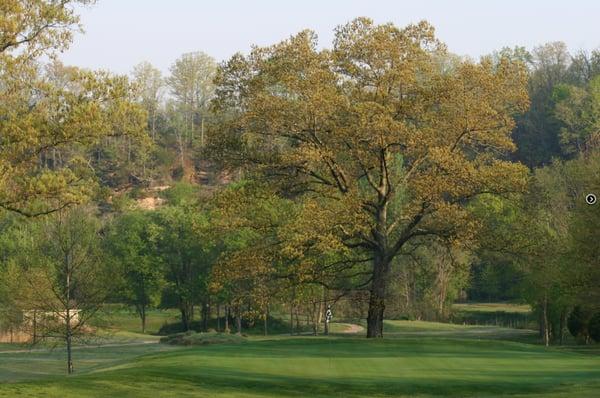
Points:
(417, 359)
(120, 318)
(492, 307)
(23, 364)
(498, 314)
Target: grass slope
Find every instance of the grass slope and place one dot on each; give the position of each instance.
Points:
(427, 365)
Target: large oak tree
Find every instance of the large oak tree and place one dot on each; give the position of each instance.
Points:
(386, 134)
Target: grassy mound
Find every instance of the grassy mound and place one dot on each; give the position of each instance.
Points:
(193, 338)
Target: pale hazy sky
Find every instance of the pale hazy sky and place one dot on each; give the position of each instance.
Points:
(122, 33)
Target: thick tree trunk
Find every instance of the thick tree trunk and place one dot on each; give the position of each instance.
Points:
(186, 316)
(377, 297)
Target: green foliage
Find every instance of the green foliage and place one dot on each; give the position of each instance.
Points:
(187, 250)
(558, 122)
(579, 322)
(578, 109)
(182, 194)
(594, 327)
(131, 242)
(375, 139)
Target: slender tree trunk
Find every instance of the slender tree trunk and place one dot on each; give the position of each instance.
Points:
(321, 303)
(204, 316)
(69, 350)
(34, 326)
(227, 330)
(68, 315)
(563, 322)
(266, 322)
(154, 125)
(218, 317)
(143, 316)
(377, 297)
(202, 132)
(545, 321)
(238, 321)
(291, 319)
(314, 319)
(265, 326)
(68, 330)
(326, 323)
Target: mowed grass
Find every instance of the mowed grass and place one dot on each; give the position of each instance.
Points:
(125, 319)
(20, 363)
(492, 307)
(400, 329)
(400, 365)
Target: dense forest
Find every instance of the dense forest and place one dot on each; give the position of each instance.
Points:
(382, 175)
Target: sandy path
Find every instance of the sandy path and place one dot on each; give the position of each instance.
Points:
(352, 328)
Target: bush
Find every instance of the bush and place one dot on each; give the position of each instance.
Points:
(594, 327)
(177, 327)
(193, 338)
(275, 326)
(579, 322)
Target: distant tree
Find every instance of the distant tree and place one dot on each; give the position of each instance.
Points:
(579, 323)
(191, 84)
(45, 121)
(131, 243)
(150, 87)
(187, 251)
(594, 327)
(578, 109)
(537, 131)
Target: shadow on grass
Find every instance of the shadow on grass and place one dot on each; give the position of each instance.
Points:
(225, 380)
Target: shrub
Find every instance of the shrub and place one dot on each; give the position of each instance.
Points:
(177, 327)
(193, 338)
(594, 327)
(275, 326)
(579, 322)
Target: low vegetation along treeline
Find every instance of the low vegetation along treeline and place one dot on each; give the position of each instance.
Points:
(383, 175)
